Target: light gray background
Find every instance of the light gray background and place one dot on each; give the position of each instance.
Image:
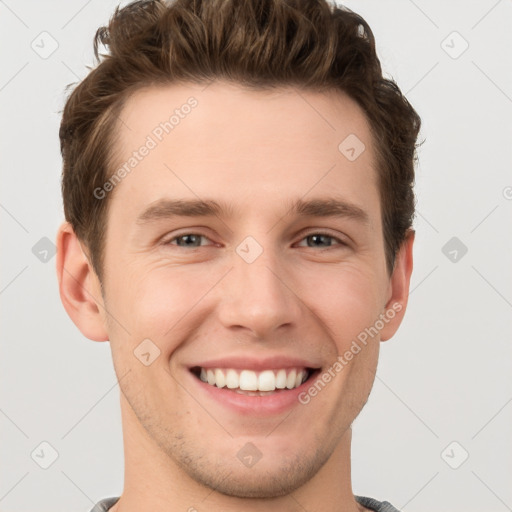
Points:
(446, 375)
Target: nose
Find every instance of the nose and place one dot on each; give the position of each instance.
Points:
(258, 298)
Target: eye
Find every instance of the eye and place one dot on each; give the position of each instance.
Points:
(323, 240)
(189, 240)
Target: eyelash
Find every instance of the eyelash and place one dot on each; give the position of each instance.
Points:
(340, 242)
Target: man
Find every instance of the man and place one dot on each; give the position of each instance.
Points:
(237, 187)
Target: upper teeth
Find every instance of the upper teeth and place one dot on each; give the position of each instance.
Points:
(267, 380)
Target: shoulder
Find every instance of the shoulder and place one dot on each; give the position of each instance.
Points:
(375, 505)
(105, 504)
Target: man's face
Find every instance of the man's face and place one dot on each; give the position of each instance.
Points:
(258, 281)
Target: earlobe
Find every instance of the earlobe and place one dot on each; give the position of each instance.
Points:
(399, 288)
(79, 287)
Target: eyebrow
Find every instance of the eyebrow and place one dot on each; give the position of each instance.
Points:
(167, 208)
(321, 207)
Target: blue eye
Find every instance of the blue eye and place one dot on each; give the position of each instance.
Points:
(194, 240)
(189, 238)
(318, 237)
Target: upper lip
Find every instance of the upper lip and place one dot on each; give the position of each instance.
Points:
(255, 363)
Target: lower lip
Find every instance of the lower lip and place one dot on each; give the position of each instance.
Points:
(262, 405)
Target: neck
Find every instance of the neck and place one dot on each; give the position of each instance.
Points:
(153, 481)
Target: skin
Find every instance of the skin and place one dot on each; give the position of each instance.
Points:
(200, 299)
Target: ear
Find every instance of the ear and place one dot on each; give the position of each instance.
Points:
(79, 286)
(398, 291)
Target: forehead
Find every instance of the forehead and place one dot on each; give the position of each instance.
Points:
(161, 110)
(198, 140)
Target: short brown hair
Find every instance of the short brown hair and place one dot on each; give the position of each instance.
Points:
(259, 44)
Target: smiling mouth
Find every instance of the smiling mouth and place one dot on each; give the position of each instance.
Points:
(251, 383)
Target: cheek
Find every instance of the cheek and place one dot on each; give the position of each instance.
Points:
(346, 300)
(158, 302)
(151, 306)
(161, 301)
